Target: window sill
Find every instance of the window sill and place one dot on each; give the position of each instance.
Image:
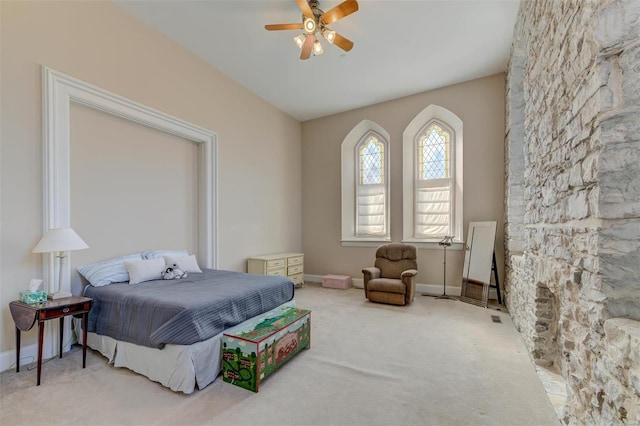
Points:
(434, 245)
(364, 242)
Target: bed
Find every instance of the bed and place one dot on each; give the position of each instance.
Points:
(170, 330)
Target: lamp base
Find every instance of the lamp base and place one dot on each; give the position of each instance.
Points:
(446, 296)
(59, 295)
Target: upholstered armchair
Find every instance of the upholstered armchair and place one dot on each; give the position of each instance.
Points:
(393, 279)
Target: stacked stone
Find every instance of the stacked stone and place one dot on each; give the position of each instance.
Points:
(573, 264)
(521, 298)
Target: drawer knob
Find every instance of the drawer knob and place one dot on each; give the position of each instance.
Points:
(65, 310)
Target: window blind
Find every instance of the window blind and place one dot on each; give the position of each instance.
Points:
(433, 208)
(370, 218)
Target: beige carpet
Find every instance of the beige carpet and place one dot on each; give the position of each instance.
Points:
(436, 362)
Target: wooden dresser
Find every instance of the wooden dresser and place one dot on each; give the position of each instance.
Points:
(285, 264)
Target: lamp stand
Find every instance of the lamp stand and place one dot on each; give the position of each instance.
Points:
(59, 294)
(445, 243)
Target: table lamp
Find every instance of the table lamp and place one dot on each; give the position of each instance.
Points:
(60, 240)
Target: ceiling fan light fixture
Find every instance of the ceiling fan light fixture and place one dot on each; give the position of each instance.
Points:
(317, 48)
(329, 35)
(309, 25)
(315, 23)
(299, 40)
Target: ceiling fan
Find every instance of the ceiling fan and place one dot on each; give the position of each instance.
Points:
(314, 23)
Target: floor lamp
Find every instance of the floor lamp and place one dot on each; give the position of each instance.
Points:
(446, 242)
(59, 240)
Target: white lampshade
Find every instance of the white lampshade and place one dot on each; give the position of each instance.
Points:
(299, 40)
(317, 48)
(60, 239)
(328, 34)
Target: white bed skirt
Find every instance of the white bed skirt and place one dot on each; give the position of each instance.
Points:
(178, 367)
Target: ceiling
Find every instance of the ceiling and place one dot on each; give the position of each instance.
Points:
(401, 47)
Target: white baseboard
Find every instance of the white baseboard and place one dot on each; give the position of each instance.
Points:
(313, 278)
(50, 349)
(430, 289)
(28, 354)
(356, 282)
(436, 289)
(426, 289)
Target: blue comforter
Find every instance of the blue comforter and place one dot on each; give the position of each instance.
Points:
(183, 311)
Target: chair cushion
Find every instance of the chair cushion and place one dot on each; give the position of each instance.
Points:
(393, 259)
(395, 252)
(387, 285)
(388, 298)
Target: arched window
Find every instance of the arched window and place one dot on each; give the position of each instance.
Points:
(432, 189)
(434, 186)
(370, 189)
(365, 185)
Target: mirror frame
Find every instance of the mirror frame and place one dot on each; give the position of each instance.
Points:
(479, 252)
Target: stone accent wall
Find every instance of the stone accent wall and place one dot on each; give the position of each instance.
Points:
(573, 199)
(514, 154)
(616, 370)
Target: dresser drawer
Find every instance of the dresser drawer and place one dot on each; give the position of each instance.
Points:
(275, 263)
(61, 311)
(281, 264)
(296, 269)
(297, 279)
(297, 260)
(280, 272)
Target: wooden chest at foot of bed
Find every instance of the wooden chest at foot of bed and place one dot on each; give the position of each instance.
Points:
(256, 348)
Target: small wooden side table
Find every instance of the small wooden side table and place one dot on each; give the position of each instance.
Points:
(25, 316)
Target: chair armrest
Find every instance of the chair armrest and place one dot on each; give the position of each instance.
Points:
(409, 273)
(409, 279)
(369, 274)
(373, 272)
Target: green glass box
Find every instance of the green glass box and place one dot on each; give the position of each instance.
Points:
(256, 348)
(33, 297)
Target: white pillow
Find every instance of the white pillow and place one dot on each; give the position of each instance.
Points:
(186, 263)
(144, 270)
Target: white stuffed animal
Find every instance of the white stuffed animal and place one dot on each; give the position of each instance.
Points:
(173, 272)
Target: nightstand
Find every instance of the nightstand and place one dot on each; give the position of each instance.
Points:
(25, 316)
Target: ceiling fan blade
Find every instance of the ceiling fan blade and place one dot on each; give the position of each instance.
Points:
(340, 11)
(305, 8)
(343, 43)
(277, 27)
(306, 48)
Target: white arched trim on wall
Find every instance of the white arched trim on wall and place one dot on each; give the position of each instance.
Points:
(59, 90)
(410, 138)
(349, 171)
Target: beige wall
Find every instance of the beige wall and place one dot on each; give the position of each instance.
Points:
(138, 183)
(259, 147)
(478, 103)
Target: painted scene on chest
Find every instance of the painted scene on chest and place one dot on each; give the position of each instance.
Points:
(254, 351)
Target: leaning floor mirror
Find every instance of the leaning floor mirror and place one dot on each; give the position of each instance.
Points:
(478, 260)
